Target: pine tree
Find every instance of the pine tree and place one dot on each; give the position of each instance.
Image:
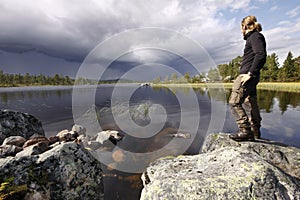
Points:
(269, 71)
(187, 77)
(297, 68)
(288, 68)
(27, 79)
(236, 64)
(1, 78)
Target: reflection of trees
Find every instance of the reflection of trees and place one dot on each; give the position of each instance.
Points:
(173, 90)
(288, 99)
(201, 91)
(285, 99)
(7, 97)
(217, 94)
(294, 99)
(183, 90)
(4, 98)
(265, 99)
(166, 90)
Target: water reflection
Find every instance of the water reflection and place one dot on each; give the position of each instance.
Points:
(266, 98)
(51, 105)
(280, 112)
(6, 97)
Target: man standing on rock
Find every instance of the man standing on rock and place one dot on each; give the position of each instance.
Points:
(243, 100)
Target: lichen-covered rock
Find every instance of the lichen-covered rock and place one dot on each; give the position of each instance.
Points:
(14, 123)
(227, 172)
(285, 157)
(67, 171)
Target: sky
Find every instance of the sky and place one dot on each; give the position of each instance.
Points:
(63, 36)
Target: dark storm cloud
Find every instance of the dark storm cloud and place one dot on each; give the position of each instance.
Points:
(68, 31)
(64, 29)
(71, 29)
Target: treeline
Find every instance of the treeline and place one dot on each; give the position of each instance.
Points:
(186, 78)
(9, 80)
(12, 80)
(271, 72)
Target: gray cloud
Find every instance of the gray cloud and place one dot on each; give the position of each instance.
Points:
(70, 29)
(67, 31)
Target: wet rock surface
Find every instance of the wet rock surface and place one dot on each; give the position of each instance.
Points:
(227, 170)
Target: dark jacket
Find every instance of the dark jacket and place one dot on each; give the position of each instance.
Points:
(255, 53)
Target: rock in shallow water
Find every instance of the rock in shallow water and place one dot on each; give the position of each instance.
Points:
(231, 171)
(109, 134)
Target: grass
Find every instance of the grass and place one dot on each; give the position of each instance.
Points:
(286, 87)
(10, 191)
(275, 86)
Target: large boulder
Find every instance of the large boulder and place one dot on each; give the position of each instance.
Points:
(67, 171)
(13, 123)
(226, 170)
(285, 157)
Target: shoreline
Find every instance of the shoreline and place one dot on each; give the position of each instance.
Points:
(273, 86)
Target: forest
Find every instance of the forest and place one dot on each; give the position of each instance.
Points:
(271, 72)
(9, 80)
(13, 80)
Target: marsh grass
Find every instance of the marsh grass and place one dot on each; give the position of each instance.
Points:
(275, 86)
(285, 87)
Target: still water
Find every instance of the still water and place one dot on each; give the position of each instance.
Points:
(149, 118)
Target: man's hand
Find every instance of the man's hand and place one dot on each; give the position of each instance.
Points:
(245, 78)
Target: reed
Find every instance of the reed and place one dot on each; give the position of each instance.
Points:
(275, 86)
(286, 87)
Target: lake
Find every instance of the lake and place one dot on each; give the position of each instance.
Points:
(156, 122)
